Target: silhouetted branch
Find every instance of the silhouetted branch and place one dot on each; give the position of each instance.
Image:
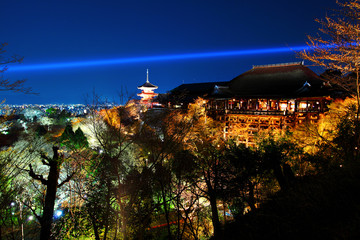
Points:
(36, 176)
(67, 179)
(33, 211)
(5, 84)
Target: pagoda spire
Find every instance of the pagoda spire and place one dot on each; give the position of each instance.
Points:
(147, 75)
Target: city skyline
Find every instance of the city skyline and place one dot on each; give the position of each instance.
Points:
(47, 33)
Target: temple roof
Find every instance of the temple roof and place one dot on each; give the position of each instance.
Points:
(289, 80)
(198, 88)
(189, 92)
(279, 80)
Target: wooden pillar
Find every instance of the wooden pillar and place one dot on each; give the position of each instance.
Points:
(307, 106)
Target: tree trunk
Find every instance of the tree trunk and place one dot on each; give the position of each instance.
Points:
(108, 206)
(280, 176)
(224, 208)
(163, 195)
(215, 216)
(96, 232)
(116, 226)
(251, 200)
(357, 95)
(357, 121)
(123, 226)
(288, 174)
(51, 188)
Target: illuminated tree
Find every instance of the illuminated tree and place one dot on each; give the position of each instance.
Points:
(170, 181)
(192, 215)
(8, 171)
(54, 163)
(206, 144)
(333, 140)
(100, 200)
(338, 48)
(161, 140)
(43, 170)
(14, 186)
(105, 171)
(9, 189)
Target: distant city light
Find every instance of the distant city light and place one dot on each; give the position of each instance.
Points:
(129, 60)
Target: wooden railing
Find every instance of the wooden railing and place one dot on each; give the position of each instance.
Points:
(259, 112)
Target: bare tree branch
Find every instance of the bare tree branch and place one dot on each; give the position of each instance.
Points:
(68, 178)
(36, 176)
(6, 84)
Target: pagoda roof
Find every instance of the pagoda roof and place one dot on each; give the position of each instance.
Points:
(148, 85)
(278, 80)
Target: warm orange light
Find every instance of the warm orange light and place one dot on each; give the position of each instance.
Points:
(303, 105)
(283, 106)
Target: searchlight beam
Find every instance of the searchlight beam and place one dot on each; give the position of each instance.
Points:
(171, 57)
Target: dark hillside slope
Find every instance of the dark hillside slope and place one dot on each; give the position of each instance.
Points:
(326, 206)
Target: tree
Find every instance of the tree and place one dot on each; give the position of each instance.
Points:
(14, 183)
(332, 141)
(339, 50)
(161, 141)
(6, 84)
(339, 47)
(73, 140)
(247, 171)
(112, 131)
(206, 144)
(276, 153)
(54, 163)
(9, 189)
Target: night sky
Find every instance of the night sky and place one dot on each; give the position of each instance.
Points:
(84, 30)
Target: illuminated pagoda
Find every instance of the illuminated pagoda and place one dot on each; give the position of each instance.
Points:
(147, 91)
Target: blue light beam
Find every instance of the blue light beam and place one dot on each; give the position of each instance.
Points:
(171, 57)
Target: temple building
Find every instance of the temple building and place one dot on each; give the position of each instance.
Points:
(267, 96)
(147, 92)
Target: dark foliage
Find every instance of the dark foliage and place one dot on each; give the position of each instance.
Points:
(40, 131)
(316, 207)
(73, 140)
